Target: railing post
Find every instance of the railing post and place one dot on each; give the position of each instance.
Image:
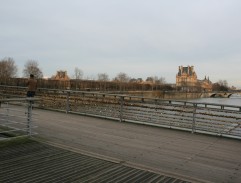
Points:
(29, 117)
(7, 112)
(121, 107)
(194, 118)
(67, 102)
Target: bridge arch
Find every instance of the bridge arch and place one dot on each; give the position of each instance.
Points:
(229, 95)
(220, 95)
(213, 95)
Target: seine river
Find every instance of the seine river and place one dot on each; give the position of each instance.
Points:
(233, 100)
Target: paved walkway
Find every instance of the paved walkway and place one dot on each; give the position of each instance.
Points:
(181, 154)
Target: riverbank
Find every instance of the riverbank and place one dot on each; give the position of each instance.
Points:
(174, 95)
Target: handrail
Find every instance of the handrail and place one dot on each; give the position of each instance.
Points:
(182, 102)
(16, 121)
(20, 99)
(197, 117)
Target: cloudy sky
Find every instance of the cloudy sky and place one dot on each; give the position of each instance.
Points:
(139, 37)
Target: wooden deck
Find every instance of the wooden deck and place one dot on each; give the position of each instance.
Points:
(171, 152)
(167, 152)
(27, 161)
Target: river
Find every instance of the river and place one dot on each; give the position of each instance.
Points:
(233, 100)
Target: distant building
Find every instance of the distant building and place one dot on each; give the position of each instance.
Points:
(206, 84)
(62, 79)
(61, 75)
(186, 80)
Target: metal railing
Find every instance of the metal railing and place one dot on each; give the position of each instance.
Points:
(214, 119)
(16, 120)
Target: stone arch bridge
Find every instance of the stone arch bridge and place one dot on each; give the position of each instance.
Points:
(222, 94)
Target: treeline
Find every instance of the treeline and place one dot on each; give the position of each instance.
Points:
(88, 85)
(122, 82)
(93, 85)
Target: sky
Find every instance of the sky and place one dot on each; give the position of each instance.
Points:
(141, 38)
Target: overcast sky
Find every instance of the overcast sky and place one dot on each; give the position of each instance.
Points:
(139, 37)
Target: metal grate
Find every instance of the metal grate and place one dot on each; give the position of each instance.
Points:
(33, 161)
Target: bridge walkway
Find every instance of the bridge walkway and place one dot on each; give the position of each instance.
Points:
(179, 153)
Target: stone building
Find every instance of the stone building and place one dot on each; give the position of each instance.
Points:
(61, 75)
(206, 84)
(186, 80)
(61, 80)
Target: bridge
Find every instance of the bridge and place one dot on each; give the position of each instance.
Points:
(214, 119)
(136, 137)
(221, 94)
(74, 147)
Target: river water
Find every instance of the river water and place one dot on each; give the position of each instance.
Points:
(233, 100)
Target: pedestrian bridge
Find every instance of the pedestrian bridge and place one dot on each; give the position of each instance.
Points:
(176, 155)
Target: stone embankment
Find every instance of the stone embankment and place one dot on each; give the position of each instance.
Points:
(166, 94)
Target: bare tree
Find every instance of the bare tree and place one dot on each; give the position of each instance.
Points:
(221, 85)
(122, 77)
(31, 67)
(8, 69)
(150, 79)
(78, 73)
(103, 77)
(162, 81)
(155, 81)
